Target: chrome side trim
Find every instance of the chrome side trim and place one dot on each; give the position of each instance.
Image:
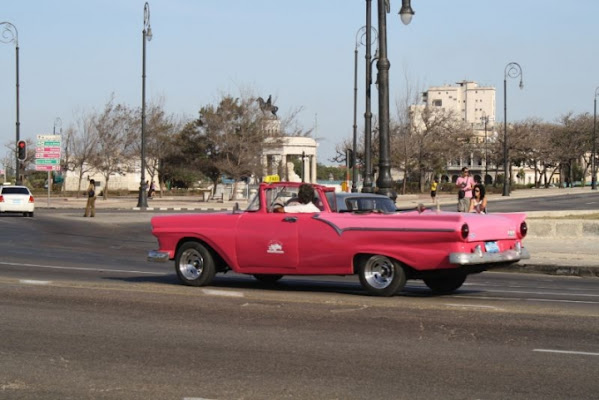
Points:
(488, 258)
(158, 256)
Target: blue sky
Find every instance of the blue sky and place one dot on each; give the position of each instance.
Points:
(74, 54)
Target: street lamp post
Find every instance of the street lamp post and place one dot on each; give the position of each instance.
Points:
(10, 34)
(355, 127)
(50, 180)
(142, 201)
(384, 181)
(367, 183)
(512, 70)
(594, 148)
(485, 120)
(363, 32)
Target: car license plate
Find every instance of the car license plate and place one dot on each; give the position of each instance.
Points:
(16, 201)
(491, 247)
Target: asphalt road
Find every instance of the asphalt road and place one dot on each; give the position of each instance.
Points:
(581, 201)
(84, 316)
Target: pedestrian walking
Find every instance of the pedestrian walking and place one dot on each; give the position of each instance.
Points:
(464, 183)
(152, 190)
(434, 186)
(90, 206)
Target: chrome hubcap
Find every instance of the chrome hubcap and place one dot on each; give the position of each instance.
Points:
(191, 264)
(379, 272)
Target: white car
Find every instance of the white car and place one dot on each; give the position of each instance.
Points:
(16, 199)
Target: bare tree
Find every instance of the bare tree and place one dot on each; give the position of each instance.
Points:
(113, 153)
(435, 136)
(80, 142)
(159, 138)
(571, 141)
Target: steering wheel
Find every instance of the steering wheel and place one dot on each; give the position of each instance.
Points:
(292, 200)
(278, 207)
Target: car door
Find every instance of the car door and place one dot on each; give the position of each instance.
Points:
(267, 242)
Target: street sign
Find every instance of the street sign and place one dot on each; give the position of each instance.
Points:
(47, 152)
(47, 161)
(47, 167)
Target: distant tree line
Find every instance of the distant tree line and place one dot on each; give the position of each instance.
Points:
(225, 140)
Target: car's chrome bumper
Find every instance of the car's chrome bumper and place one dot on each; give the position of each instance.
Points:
(158, 256)
(478, 257)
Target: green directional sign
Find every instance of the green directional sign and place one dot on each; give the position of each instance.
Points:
(48, 143)
(47, 161)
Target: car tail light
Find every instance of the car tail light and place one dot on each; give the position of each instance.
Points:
(523, 229)
(31, 199)
(465, 231)
(1, 199)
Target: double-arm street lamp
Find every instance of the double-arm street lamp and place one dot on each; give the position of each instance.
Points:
(352, 162)
(363, 37)
(384, 181)
(594, 148)
(512, 70)
(367, 183)
(10, 34)
(142, 201)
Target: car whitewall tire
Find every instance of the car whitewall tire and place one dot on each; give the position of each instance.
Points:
(194, 264)
(382, 276)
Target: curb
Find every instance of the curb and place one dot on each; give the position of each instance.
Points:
(172, 209)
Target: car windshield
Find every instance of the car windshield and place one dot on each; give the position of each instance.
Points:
(365, 203)
(15, 190)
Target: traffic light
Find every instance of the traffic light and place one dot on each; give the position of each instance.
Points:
(22, 150)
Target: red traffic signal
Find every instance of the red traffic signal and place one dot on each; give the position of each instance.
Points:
(21, 150)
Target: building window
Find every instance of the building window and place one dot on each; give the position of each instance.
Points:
(437, 103)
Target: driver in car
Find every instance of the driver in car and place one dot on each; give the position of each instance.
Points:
(303, 203)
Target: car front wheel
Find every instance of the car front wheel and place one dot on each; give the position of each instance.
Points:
(382, 276)
(194, 264)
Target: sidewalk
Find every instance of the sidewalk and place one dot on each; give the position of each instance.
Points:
(552, 251)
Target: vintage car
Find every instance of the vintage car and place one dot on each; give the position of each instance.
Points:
(383, 248)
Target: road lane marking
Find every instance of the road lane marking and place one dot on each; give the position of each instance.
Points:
(524, 299)
(540, 293)
(81, 269)
(34, 282)
(474, 306)
(226, 293)
(583, 353)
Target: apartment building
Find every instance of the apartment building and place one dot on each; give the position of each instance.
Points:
(467, 100)
(474, 105)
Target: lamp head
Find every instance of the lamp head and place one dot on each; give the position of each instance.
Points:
(521, 84)
(149, 33)
(406, 13)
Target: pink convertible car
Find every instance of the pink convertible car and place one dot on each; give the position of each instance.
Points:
(383, 248)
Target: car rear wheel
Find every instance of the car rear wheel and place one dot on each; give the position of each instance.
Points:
(382, 276)
(194, 264)
(268, 279)
(445, 285)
